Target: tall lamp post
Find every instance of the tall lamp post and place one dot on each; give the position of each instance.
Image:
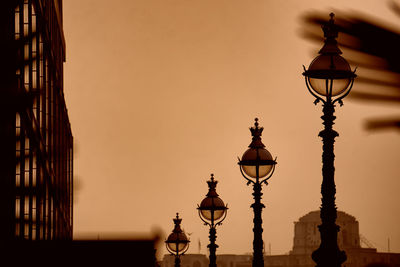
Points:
(257, 166)
(329, 79)
(212, 212)
(177, 242)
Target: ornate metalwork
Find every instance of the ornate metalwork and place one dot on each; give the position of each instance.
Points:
(177, 237)
(328, 254)
(217, 204)
(258, 244)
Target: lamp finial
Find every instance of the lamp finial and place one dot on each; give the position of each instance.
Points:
(212, 184)
(256, 133)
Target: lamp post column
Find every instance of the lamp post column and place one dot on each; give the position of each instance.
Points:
(329, 79)
(258, 256)
(213, 247)
(328, 254)
(177, 261)
(257, 166)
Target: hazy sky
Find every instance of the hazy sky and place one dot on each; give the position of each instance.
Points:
(161, 93)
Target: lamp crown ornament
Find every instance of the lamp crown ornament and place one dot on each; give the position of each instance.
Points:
(177, 222)
(256, 132)
(330, 29)
(331, 32)
(212, 184)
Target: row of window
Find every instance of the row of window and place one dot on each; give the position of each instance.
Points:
(44, 174)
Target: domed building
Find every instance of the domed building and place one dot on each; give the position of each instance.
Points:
(307, 239)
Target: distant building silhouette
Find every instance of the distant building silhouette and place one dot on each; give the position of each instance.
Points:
(36, 143)
(306, 240)
(307, 236)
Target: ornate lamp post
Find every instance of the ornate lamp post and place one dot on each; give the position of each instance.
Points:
(329, 79)
(212, 212)
(257, 166)
(177, 242)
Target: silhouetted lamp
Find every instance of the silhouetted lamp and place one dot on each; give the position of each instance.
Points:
(257, 166)
(212, 212)
(177, 242)
(329, 74)
(329, 79)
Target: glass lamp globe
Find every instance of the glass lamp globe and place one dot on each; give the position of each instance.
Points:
(257, 158)
(326, 69)
(212, 208)
(177, 242)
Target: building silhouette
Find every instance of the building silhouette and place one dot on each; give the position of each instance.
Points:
(36, 155)
(306, 240)
(36, 150)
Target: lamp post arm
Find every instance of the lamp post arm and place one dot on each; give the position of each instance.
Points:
(339, 99)
(270, 174)
(225, 213)
(186, 249)
(245, 177)
(318, 98)
(201, 217)
(170, 251)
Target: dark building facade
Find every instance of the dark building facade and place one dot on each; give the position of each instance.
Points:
(36, 143)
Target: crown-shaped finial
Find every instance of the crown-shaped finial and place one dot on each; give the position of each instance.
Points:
(177, 222)
(256, 122)
(329, 28)
(256, 133)
(330, 33)
(212, 184)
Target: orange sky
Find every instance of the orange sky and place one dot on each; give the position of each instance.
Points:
(161, 93)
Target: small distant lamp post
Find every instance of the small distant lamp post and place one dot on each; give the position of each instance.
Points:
(177, 242)
(257, 166)
(329, 79)
(212, 212)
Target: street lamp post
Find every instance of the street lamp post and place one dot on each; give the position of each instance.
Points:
(177, 242)
(212, 212)
(257, 166)
(329, 79)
